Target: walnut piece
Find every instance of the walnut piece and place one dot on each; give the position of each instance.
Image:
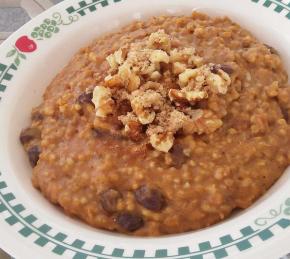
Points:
(162, 142)
(158, 56)
(181, 55)
(183, 95)
(115, 59)
(130, 80)
(144, 103)
(178, 68)
(159, 40)
(102, 101)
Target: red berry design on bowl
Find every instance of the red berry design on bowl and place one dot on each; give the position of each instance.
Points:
(24, 44)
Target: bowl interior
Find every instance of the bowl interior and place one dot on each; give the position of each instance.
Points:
(55, 54)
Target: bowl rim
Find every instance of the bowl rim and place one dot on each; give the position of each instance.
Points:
(66, 15)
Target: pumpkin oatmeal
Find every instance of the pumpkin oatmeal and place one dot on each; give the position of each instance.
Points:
(163, 127)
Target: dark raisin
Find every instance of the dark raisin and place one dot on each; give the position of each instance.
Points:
(129, 221)
(81, 112)
(115, 123)
(108, 134)
(151, 199)
(285, 114)
(33, 154)
(37, 116)
(228, 69)
(214, 69)
(124, 107)
(100, 133)
(178, 156)
(272, 50)
(109, 200)
(85, 98)
(29, 134)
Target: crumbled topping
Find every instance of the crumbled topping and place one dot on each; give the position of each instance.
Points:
(162, 85)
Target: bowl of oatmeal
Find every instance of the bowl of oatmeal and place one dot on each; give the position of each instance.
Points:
(170, 124)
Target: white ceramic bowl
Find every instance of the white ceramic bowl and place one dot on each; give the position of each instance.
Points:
(30, 227)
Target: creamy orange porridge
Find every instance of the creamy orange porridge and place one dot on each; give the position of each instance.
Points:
(163, 127)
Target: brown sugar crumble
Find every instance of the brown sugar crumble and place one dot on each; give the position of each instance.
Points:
(163, 127)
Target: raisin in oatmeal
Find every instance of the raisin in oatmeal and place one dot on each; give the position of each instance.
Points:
(164, 127)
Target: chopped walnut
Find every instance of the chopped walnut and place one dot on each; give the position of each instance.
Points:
(139, 61)
(186, 56)
(220, 82)
(132, 126)
(130, 80)
(186, 76)
(115, 59)
(155, 76)
(158, 56)
(177, 120)
(144, 104)
(182, 96)
(161, 85)
(195, 61)
(113, 81)
(162, 142)
(204, 78)
(102, 101)
(178, 68)
(159, 40)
